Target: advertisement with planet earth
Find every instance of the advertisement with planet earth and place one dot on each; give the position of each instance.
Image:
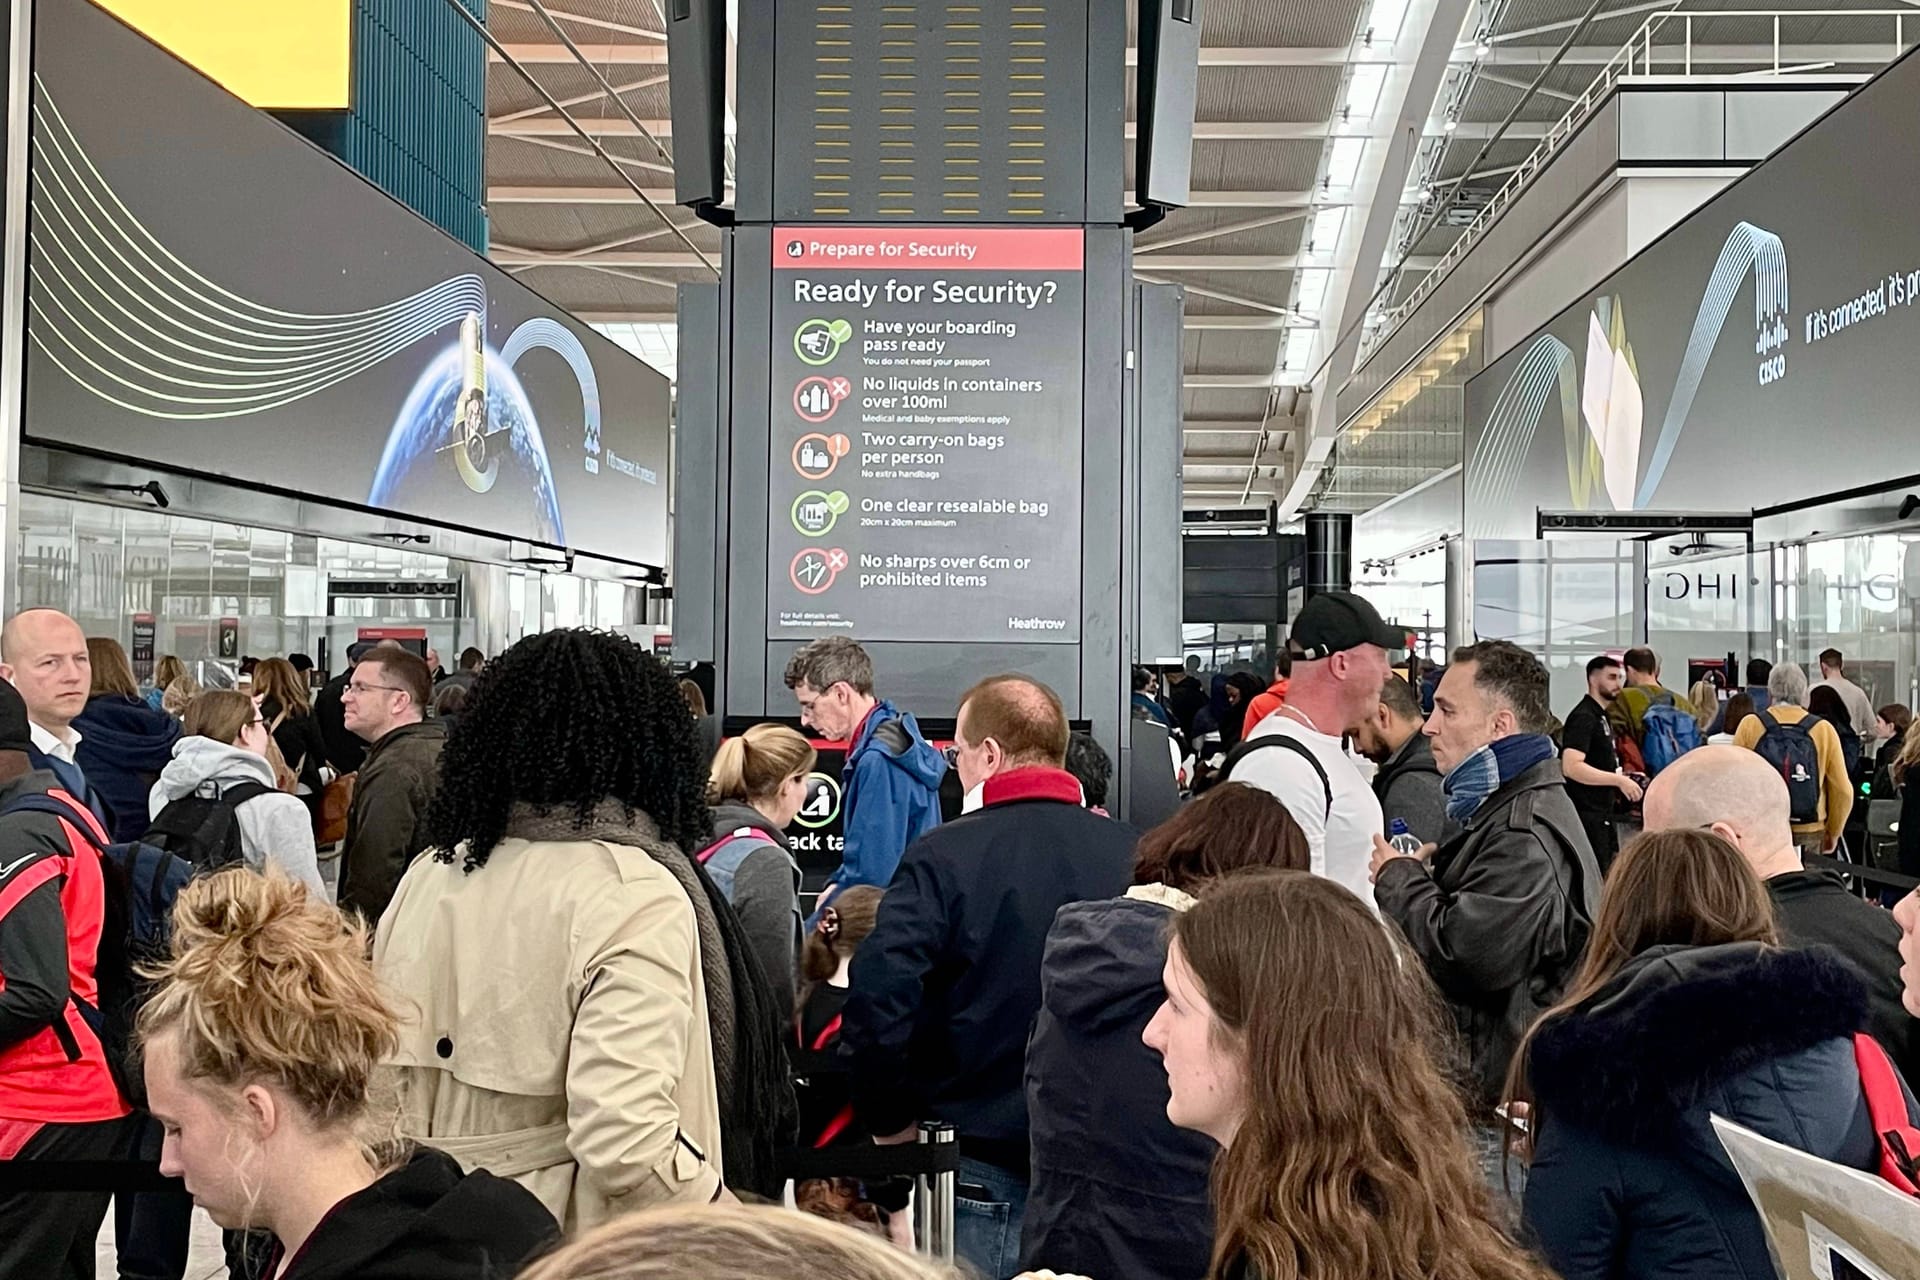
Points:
(250, 308)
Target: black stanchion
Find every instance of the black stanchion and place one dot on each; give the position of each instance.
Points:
(83, 1175)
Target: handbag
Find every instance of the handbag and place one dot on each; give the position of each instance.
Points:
(330, 823)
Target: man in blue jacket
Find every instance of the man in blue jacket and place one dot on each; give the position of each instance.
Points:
(890, 786)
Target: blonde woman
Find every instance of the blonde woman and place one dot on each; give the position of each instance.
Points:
(165, 672)
(758, 785)
(738, 1242)
(260, 1046)
(1704, 698)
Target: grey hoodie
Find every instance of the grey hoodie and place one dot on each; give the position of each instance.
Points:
(275, 830)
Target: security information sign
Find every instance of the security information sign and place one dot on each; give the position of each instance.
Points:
(926, 434)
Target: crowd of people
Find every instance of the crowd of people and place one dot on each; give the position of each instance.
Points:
(571, 1006)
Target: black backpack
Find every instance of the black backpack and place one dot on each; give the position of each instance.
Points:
(1790, 749)
(204, 831)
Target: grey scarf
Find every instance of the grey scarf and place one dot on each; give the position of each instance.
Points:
(613, 823)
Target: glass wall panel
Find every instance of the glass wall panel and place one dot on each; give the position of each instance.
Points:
(103, 564)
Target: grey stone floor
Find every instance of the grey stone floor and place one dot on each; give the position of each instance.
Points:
(205, 1262)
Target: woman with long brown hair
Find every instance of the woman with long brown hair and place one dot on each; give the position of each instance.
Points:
(124, 743)
(1117, 1190)
(1685, 1006)
(1303, 1037)
(287, 705)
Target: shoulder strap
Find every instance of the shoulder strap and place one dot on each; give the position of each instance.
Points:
(1663, 699)
(1892, 1125)
(60, 805)
(1287, 743)
(1766, 720)
(893, 735)
(706, 855)
(241, 792)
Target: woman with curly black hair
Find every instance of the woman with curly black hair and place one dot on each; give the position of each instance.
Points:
(592, 1022)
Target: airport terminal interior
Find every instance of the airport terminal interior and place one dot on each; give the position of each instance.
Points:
(1123, 639)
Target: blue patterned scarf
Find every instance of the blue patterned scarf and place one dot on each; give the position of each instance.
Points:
(1491, 767)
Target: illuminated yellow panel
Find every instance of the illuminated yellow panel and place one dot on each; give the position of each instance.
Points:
(288, 55)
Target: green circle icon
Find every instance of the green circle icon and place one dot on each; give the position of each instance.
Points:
(815, 512)
(817, 341)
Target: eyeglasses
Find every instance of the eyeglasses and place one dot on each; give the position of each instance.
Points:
(354, 686)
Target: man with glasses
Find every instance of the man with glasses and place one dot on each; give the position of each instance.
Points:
(890, 785)
(385, 702)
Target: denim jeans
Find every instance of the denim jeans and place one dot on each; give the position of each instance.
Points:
(1509, 1185)
(987, 1229)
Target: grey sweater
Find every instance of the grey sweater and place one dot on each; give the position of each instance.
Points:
(275, 830)
(765, 893)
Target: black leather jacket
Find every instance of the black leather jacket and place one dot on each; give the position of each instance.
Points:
(1502, 916)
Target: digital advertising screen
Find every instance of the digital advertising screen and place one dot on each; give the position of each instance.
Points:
(208, 292)
(925, 458)
(1761, 352)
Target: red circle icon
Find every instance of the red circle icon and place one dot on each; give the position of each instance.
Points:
(814, 569)
(816, 398)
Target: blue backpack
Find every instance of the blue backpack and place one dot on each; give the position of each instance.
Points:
(1666, 733)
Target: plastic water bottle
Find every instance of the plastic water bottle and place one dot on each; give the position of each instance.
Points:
(1403, 840)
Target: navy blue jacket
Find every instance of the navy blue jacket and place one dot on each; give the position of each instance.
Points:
(945, 989)
(1116, 1190)
(124, 744)
(890, 796)
(1628, 1179)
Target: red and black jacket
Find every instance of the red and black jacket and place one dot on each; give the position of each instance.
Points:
(53, 1066)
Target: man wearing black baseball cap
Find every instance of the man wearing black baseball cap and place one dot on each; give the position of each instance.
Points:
(1342, 653)
(58, 1098)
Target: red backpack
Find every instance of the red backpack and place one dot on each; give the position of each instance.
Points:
(1892, 1123)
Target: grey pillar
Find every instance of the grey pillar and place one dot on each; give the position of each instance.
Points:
(1329, 552)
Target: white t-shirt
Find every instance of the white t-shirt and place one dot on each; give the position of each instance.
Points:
(1341, 841)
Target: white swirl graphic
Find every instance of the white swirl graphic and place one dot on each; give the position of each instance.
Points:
(551, 335)
(1748, 248)
(1493, 471)
(126, 318)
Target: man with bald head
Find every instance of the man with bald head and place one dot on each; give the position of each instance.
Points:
(945, 989)
(43, 654)
(1736, 794)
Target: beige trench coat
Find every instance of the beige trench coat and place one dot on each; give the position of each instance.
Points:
(555, 1025)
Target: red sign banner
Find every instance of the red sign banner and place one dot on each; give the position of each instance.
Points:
(929, 248)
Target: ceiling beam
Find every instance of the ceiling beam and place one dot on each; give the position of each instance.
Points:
(1228, 381)
(619, 316)
(1666, 52)
(655, 54)
(603, 55)
(560, 13)
(1242, 322)
(1203, 131)
(538, 53)
(1226, 229)
(602, 193)
(511, 256)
